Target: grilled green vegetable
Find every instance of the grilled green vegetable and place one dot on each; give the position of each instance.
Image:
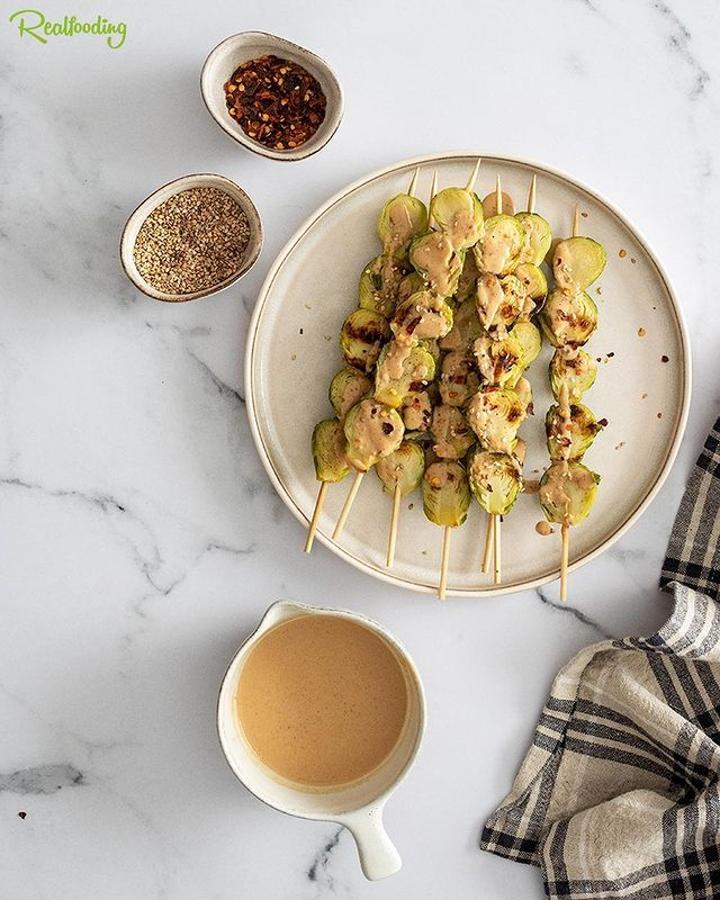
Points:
(372, 431)
(534, 281)
(537, 237)
(569, 319)
(404, 467)
(467, 280)
(567, 492)
(434, 257)
(402, 218)
(466, 327)
(328, 450)
(361, 338)
(495, 414)
(422, 317)
(411, 284)
(458, 213)
(495, 480)
(530, 339)
(499, 250)
(458, 381)
(577, 262)
(347, 388)
(570, 438)
(400, 368)
(451, 433)
(380, 284)
(499, 361)
(524, 392)
(416, 411)
(573, 368)
(500, 302)
(446, 493)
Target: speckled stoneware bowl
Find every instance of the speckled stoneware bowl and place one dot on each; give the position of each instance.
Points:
(239, 48)
(134, 223)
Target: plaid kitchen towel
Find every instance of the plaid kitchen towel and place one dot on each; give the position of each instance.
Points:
(618, 795)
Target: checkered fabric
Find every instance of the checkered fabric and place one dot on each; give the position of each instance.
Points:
(619, 795)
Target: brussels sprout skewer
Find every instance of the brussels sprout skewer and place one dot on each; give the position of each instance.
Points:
(331, 466)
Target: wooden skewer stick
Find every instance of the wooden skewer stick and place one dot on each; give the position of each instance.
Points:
(576, 221)
(445, 562)
(433, 189)
(531, 195)
(489, 539)
(316, 516)
(497, 553)
(498, 196)
(347, 505)
(413, 182)
(473, 177)
(392, 539)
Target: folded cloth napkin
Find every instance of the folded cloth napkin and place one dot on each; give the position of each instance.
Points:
(618, 795)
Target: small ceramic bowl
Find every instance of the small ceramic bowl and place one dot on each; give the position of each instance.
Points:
(134, 223)
(239, 48)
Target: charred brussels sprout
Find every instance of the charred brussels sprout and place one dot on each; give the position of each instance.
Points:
(524, 392)
(403, 467)
(577, 262)
(569, 319)
(402, 218)
(495, 414)
(372, 431)
(328, 450)
(458, 213)
(380, 285)
(458, 381)
(466, 327)
(434, 257)
(348, 387)
(446, 494)
(361, 338)
(537, 237)
(416, 411)
(530, 339)
(411, 284)
(567, 492)
(499, 361)
(451, 433)
(495, 480)
(400, 367)
(499, 302)
(573, 369)
(423, 316)
(534, 282)
(499, 250)
(569, 437)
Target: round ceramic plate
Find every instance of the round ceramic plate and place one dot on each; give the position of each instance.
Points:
(642, 388)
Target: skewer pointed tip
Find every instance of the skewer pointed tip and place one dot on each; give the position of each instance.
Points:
(498, 196)
(473, 177)
(413, 182)
(433, 189)
(531, 195)
(576, 221)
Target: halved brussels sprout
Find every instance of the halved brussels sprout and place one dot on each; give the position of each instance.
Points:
(467, 280)
(458, 381)
(535, 283)
(499, 361)
(451, 432)
(423, 316)
(404, 468)
(498, 252)
(495, 480)
(400, 367)
(372, 431)
(567, 492)
(348, 387)
(577, 262)
(569, 319)
(458, 213)
(537, 237)
(402, 218)
(446, 494)
(573, 368)
(411, 284)
(570, 436)
(499, 302)
(434, 257)
(524, 392)
(489, 204)
(495, 414)
(380, 284)
(530, 339)
(328, 449)
(361, 338)
(416, 411)
(466, 327)
(433, 348)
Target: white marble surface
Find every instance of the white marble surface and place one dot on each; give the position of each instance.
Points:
(140, 538)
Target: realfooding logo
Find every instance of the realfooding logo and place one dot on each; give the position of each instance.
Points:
(32, 22)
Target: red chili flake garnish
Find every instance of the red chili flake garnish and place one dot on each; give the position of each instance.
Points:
(603, 422)
(22, 814)
(387, 428)
(276, 102)
(665, 358)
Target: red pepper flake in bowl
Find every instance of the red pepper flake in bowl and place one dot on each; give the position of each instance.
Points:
(276, 102)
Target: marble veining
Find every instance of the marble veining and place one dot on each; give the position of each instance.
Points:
(141, 539)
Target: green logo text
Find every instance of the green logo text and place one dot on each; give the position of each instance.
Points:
(33, 23)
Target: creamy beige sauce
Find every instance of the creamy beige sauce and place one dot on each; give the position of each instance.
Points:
(421, 318)
(373, 433)
(499, 248)
(436, 258)
(452, 435)
(417, 411)
(490, 297)
(322, 701)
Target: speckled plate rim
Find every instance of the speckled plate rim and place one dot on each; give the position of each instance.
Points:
(426, 587)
